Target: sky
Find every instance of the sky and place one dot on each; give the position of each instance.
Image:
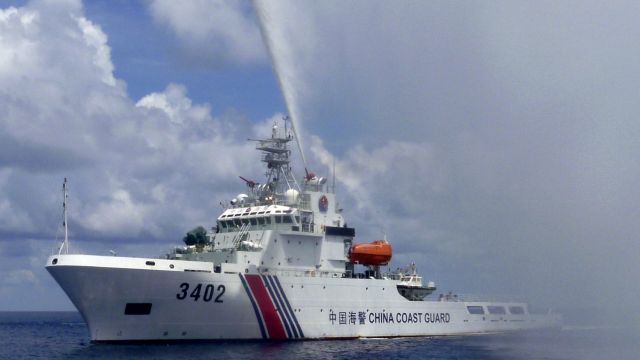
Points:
(493, 143)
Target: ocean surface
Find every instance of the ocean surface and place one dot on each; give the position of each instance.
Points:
(63, 335)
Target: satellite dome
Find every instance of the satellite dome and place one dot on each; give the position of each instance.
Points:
(241, 198)
(291, 196)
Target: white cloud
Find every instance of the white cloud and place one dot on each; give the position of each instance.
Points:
(16, 53)
(225, 29)
(176, 105)
(117, 212)
(139, 170)
(96, 39)
(136, 169)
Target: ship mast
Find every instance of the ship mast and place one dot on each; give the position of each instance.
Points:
(65, 243)
(276, 154)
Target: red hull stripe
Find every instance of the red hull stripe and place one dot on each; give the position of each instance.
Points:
(255, 307)
(279, 307)
(278, 298)
(271, 317)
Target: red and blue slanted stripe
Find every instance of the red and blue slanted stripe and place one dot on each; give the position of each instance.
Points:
(273, 311)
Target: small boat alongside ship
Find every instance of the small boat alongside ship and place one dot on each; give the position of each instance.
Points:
(280, 263)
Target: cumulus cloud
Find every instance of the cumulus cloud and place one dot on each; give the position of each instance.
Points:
(224, 30)
(64, 114)
(139, 170)
(97, 40)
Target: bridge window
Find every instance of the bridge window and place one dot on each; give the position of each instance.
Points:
(267, 220)
(477, 310)
(516, 310)
(278, 219)
(286, 219)
(498, 310)
(254, 222)
(261, 221)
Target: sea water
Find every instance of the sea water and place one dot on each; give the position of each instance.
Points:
(64, 335)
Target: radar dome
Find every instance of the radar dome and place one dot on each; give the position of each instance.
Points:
(241, 198)
(291, 196)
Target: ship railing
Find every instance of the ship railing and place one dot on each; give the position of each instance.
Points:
(313, 187)
(277, 158)
(303, 203)
(303, 273)
(261, 240)
(244, 230)
(55, 250)
(478, 298)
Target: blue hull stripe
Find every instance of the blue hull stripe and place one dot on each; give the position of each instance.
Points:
(279, 297)
(279, 305)
(295, 320)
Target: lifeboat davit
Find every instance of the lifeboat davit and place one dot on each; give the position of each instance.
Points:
(377, 252)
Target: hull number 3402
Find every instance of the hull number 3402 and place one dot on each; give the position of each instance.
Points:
(206, 292)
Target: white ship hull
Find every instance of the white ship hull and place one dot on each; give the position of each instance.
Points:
(214, 306)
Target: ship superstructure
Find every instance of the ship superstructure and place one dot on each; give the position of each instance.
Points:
(279, 225)
(280, 263)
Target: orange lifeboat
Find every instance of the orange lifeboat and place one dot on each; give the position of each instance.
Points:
(377, 252)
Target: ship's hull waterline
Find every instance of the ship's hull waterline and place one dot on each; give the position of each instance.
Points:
(129, 299)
